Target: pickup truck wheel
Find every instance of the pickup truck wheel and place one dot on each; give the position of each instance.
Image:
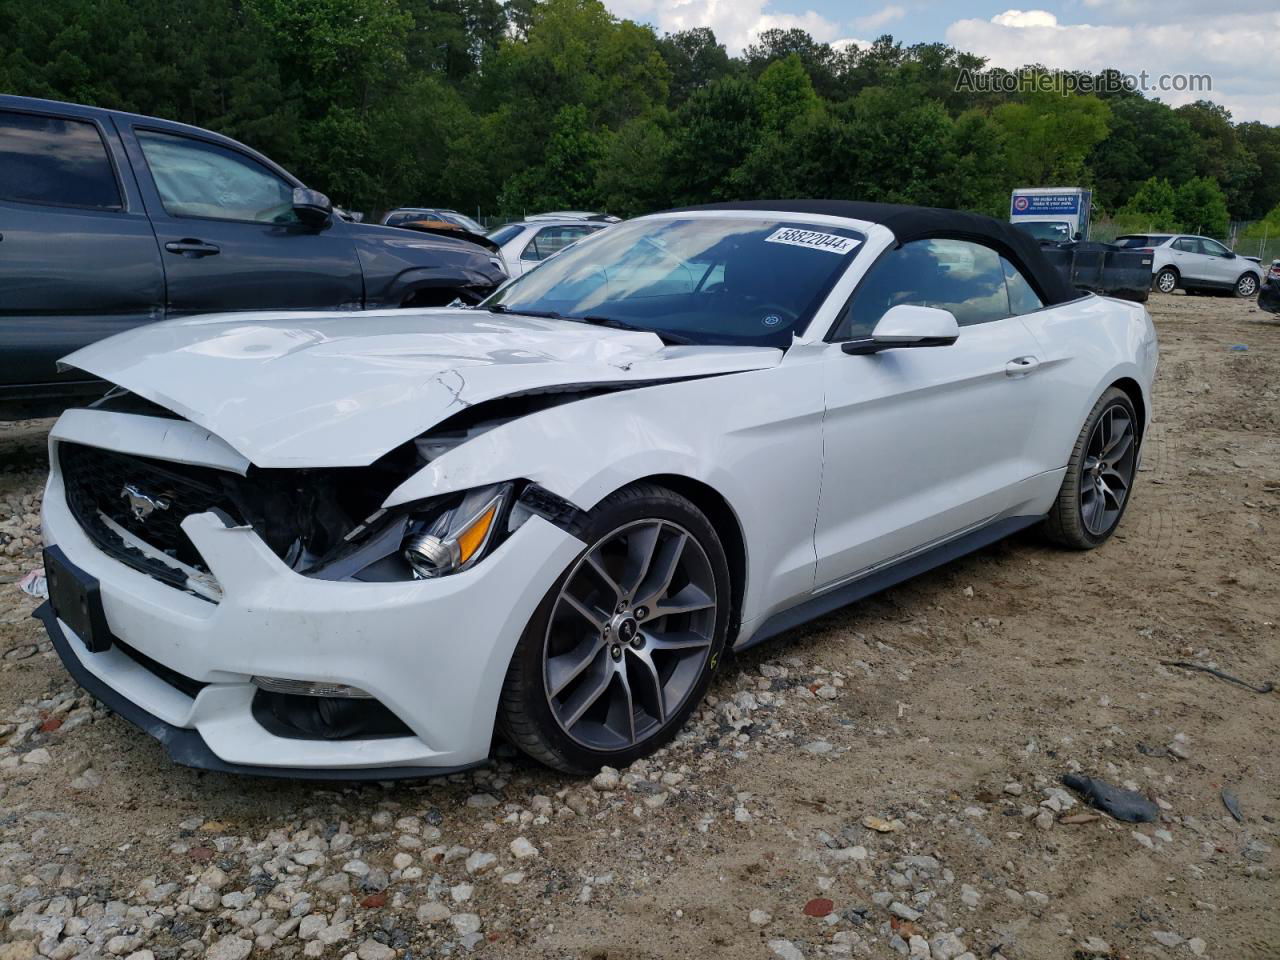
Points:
(1167, 280)
(625, 643)
(1246, 286)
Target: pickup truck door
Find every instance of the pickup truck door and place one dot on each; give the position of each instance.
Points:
(78, 259)
(228, 236)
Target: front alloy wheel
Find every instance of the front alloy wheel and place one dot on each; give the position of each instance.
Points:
(624, 645)
(1246, 286)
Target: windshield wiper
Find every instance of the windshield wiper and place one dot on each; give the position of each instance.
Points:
(543, 314)
(669, 339)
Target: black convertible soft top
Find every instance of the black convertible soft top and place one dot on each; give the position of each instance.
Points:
(909, 223)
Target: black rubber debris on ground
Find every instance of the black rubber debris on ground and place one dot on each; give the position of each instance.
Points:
(1232, 803)
(1127, 805)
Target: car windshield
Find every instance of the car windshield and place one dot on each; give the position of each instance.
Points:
(503, 234)
(1057, 231)
(699, 279)
(395, 219)
(462, 220)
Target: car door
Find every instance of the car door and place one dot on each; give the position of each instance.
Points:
(923, 444)
(228, 235)
(1221, 266)
(78, 259)
(1185, 255)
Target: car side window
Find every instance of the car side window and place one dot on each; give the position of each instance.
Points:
(1022, 297)
(550, 240)
(199, 179)
(1186, 245)
(1213, 248)
(965, 278)
(55, 160)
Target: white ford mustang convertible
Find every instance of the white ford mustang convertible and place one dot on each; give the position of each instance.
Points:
(349, 545)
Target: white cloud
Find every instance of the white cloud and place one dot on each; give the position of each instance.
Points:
(1025, 18)
(736, 24)
(1235, 53)
(845, 42)
(881, 18)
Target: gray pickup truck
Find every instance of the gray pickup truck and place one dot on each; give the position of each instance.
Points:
(109, 220)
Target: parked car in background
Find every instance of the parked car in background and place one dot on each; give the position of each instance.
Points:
(1269, 294)
(402, 215)
(432, 223)
(109, 220)
(358, 546)
(527, 243)
(1193, 263)
(574, 215)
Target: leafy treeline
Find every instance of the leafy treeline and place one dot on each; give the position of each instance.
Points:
(538, 104)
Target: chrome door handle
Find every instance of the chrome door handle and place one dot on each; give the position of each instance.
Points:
(191, 248)
(1020, 366)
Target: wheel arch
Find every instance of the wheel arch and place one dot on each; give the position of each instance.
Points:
(727, 525)
(1133, 391)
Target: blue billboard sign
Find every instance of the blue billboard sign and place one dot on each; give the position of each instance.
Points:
(1042, 204)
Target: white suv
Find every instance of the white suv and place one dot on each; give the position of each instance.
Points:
(1195, 263)
(527, 243)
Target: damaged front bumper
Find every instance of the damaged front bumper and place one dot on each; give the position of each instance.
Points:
(433, 653)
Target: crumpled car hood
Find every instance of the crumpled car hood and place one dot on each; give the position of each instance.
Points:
(294, 389)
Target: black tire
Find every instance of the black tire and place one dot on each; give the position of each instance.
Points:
(1246, 286)
(525, 714)
(1166, 280)
(1067, 523)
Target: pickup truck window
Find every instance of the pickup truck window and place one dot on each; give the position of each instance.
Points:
(55, 160)
(200, 179)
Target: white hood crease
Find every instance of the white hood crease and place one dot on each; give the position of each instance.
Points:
(308, 389)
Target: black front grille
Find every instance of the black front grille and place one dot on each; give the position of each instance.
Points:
(99, 484)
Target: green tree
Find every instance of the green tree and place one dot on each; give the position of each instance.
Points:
(1150, 208)
(694, 59)
(567, 173)
(1201, 207)
(1218, 154)
(1049, 135)
(711, 136)
(1142, 143)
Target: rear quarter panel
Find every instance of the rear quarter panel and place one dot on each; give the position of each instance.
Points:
(1087, 345)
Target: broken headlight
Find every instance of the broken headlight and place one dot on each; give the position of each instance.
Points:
(441, 539)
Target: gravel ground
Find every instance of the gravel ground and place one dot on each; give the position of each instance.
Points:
(884, 782)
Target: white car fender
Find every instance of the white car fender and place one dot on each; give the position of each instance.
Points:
(714, 430)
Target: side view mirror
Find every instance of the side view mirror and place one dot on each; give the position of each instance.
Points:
(1231, 255)
(311, 206)
(908, 325)
(1077, 236)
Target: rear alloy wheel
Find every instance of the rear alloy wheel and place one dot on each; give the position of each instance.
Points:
(1167, 280)
(1246, 286)
(1099, 479)
(624, 645)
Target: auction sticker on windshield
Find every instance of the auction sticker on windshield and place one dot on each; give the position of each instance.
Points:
(813, 239)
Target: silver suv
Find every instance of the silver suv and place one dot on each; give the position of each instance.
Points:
(1195, 263)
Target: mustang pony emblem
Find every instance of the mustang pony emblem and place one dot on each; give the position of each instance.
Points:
(142, 504)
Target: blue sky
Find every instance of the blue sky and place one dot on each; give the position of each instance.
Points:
(1233, 41)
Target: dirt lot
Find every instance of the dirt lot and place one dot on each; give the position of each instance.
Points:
(949, 707)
